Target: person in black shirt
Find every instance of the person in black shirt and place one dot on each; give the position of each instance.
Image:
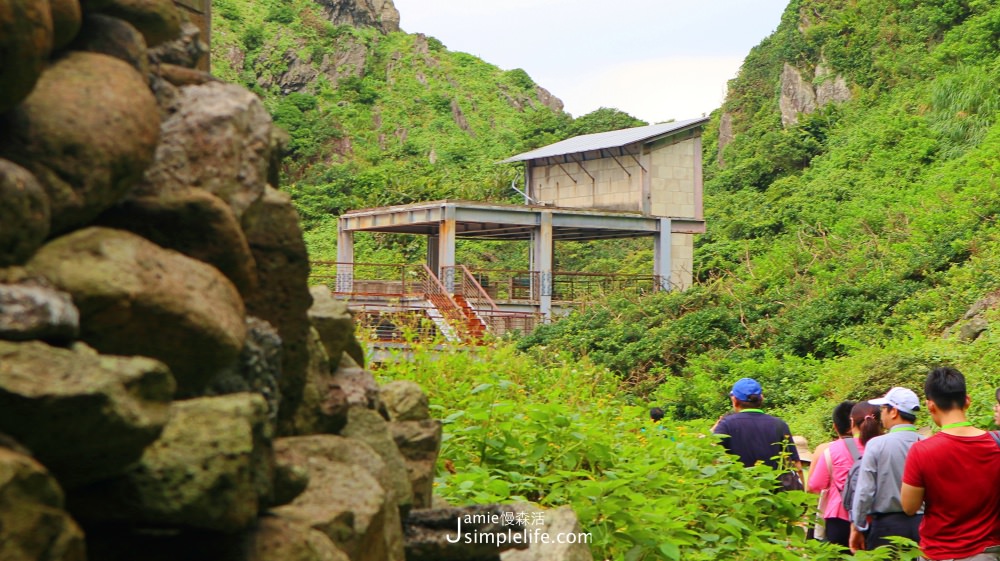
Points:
(752, 435)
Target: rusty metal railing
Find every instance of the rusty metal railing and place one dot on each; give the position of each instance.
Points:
(497, 321)
(381, 279)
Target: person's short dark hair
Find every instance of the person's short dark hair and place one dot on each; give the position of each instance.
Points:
(656, 413)
(998, 395)
(751, 402)
(842, 417)
(945, 386)
(908, 417)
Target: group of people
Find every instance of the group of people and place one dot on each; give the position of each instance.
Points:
(881, 477)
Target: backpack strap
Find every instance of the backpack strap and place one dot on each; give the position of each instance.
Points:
(855, 453)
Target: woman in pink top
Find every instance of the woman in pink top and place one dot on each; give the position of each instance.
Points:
(829, 471)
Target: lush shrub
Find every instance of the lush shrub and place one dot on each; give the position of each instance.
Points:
(561, 433)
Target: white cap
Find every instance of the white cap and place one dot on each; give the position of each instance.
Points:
(900, 398)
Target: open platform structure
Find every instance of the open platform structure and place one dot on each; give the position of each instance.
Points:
(639, 182)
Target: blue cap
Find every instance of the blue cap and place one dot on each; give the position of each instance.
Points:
(746, 387)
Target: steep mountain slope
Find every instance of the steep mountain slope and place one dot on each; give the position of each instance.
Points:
(377, 116)
(851, 201)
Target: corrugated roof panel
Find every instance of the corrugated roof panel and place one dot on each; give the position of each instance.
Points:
(602, 140)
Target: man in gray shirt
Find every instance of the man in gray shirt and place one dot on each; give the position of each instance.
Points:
(876, 511)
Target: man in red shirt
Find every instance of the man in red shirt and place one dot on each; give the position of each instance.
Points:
(955, 474)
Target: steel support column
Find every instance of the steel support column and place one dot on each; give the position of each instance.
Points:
(446, 250)
(543, 264)
(345, 258)
(662, 266)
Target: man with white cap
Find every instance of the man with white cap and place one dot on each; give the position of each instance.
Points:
(876, 511)
(753, 435)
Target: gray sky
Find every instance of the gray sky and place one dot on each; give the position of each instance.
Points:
(655, 59)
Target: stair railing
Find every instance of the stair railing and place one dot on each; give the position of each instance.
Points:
(452, 313)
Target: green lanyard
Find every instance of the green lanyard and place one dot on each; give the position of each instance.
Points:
(956, 425)
(752, 411)
(900, 428)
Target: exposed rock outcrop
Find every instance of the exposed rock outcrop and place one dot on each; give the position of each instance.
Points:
(799, 96)
(380, 14)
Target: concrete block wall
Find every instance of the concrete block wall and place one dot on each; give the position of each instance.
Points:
(611, 187)
(673, 179)
(681, 261)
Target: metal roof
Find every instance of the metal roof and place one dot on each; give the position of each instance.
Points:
(602, 140)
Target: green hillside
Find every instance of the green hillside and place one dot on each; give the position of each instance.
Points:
(843, 252)
(380, 118)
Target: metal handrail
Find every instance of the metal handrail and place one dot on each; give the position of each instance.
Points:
(481, 294)
(452, 313)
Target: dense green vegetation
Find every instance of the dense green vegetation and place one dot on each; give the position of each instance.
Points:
(857, 239)
(842, 254)
(557, 431)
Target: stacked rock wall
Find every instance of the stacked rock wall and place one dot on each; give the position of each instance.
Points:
(168, 387)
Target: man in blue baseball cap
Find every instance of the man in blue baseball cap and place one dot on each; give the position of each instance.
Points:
(754, 436)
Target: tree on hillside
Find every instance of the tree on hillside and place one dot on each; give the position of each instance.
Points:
(603, 120)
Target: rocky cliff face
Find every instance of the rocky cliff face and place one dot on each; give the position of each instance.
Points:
(380, 14)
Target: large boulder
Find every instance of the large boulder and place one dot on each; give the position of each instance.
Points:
(69, 133)
(24, 214)
(477, 532)
(346, 497)
(33, 524)
(66, 20)
(212, 468)
(405, 401)
(25, 44)
(565, 541)
(282, 299)
(187, 50)
(31, 309)
(327, 397)
(314, 415)
(218, 138)
(420, 443)
(113, 37)
(157, 20)
(136, 298)
(369, 427)
(277, 538)
(85, 416)
(195, 223)
(334, 323)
